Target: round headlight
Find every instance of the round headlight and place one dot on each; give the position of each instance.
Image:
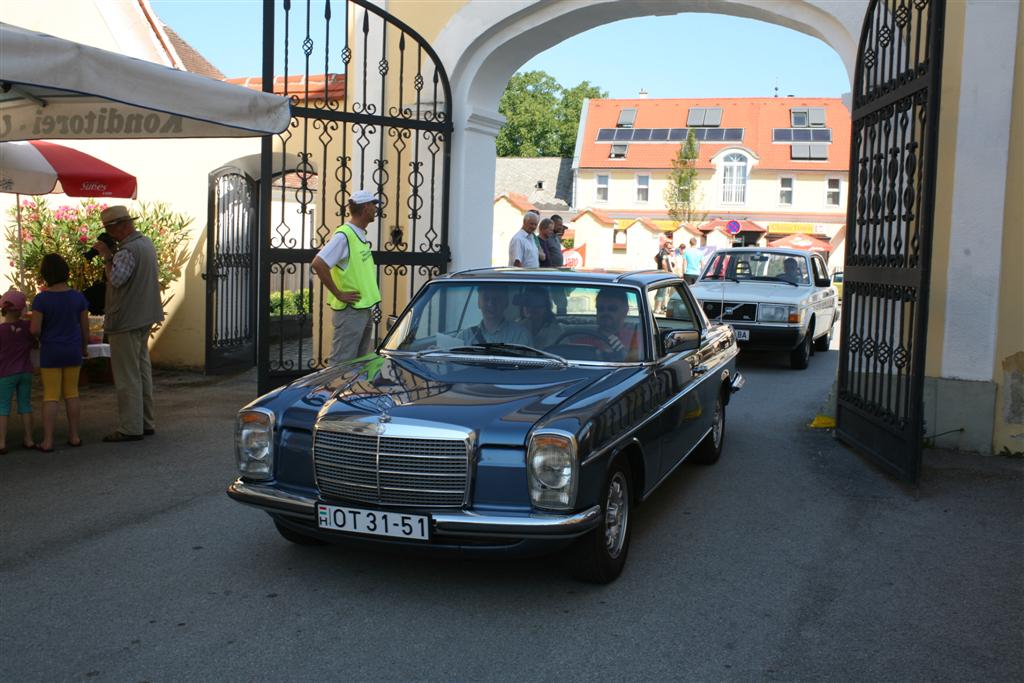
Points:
(552, 466)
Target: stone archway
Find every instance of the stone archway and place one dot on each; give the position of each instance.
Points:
(484, 44)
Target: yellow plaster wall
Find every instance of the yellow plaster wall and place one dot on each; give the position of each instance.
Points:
(1010, 335)
(952, 70)
(427, 17)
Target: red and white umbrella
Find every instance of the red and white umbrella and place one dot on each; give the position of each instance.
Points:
(38, 167)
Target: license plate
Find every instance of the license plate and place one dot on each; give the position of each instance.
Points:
(373, 522)
(742, 335)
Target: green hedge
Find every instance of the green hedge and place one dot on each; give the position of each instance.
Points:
(290, 302)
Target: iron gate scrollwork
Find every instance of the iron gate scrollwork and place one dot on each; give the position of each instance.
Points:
(231, 270)
(371, 109)
(889, 232)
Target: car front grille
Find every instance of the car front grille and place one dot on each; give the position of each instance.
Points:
(388, 470)
(733, 311)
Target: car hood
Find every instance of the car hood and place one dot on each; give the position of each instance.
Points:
(498, 402)
(750, 291)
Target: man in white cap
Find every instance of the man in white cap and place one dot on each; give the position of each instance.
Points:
(133, 306)
(345, 267)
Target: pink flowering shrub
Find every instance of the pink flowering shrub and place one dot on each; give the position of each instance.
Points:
(71, 231)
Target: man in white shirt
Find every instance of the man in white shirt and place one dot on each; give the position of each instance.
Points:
(345, 267)
(522, 249)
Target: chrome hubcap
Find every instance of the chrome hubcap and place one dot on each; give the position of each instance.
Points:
(717, 427)
(616, 514)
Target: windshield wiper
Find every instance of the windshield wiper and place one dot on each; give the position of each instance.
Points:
(520, 350)
(732, 278)
(513, 349)
(776, 278)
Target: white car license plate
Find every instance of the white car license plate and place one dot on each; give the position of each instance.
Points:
(742, 335)
(373, 522)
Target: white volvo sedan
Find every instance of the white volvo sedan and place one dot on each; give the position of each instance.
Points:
(775, 299)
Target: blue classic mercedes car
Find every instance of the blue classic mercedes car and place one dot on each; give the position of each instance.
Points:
(506, 411)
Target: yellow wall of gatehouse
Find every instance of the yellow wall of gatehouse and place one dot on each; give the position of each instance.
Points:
(1009, 357)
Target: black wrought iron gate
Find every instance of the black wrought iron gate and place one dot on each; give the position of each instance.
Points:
(231, 270)
(889, 232)
(371, 107)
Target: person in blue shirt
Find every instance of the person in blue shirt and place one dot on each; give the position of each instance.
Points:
(693, 257)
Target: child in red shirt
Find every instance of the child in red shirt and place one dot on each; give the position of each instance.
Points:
(16, 343)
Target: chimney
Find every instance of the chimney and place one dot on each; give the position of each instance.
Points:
(642, 94)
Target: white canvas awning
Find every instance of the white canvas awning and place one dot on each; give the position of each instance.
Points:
(56, 89)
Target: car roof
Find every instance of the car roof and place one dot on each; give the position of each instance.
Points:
(772, 250)
(638, 278)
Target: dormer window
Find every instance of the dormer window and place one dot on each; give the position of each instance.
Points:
(618, 152)
(626, 118)
(807, 117)
(704, 117)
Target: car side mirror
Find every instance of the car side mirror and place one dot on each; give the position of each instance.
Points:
(391, 321)
(681, 340)
(823, 282)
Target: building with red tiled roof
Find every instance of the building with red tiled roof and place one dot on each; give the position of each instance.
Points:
(333, 85)
(779, 164)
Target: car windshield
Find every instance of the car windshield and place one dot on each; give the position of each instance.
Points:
(543, 320)
(757, 265)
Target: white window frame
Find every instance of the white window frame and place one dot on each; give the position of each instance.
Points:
(838, 191)
(645, 187)
(601, 186)
(734, 187)
(792, 189)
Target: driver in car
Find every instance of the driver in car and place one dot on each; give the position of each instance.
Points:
(615, 339)
(494, 328)
(791, 272)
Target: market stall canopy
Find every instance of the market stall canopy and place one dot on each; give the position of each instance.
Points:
(56, 89)
(804, 242)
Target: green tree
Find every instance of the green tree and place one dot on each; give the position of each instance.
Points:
(682, 195)
(541, 116)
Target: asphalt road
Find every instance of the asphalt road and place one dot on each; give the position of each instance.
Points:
(791, 559)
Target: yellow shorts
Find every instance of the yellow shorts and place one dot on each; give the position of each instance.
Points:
(56, 380)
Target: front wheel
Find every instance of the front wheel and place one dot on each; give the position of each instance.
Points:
(710, 449)
(800, 357)
(601, 554)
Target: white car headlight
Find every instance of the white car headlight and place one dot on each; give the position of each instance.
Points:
(777, 313)
(254, 443)
(552, 470)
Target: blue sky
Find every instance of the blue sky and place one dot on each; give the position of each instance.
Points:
(686, 55)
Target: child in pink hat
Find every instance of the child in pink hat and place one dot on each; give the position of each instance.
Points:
(16, 342)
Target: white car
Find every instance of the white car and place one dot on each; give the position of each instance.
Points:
(775, 299)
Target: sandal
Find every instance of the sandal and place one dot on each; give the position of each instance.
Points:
(117, 437)
(75, 445)
(43, 450)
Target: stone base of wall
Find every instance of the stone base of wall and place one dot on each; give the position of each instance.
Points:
(957, 404)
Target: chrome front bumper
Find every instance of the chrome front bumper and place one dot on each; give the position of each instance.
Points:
(453, 523)
(736, 382)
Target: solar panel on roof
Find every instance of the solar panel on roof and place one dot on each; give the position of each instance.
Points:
(606, 135)
(733, 134)
(623, 134)
(821, 135)
(659, 134)
(699, 134)
(695, 117)
(714, 134)
(801, 135)
(641, 134)
(713, 116)
(677, 134)
(782, 135)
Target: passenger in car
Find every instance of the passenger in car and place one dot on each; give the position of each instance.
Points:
(494, 328)
(538, 317)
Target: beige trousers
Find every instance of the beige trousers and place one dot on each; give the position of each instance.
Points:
(133, 379)
(352, 334)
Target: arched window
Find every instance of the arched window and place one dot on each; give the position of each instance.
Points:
(734, 179)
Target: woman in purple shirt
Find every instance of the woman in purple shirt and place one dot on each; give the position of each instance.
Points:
(60, 318)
